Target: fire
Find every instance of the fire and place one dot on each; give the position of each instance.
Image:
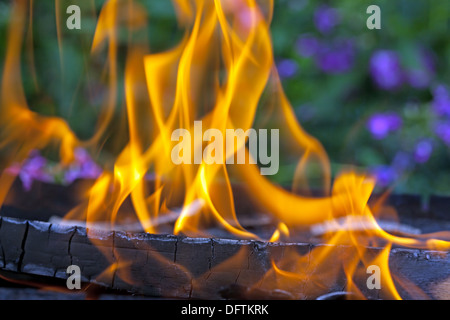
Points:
(221, 73)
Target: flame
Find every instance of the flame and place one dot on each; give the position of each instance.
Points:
(220, 73)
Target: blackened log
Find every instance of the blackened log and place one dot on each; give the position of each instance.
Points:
(181, 267)
(22, 286)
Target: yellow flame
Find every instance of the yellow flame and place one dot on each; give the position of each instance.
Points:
(23, 130)
(218, 75)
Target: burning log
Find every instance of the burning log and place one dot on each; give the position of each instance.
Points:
(182, 267)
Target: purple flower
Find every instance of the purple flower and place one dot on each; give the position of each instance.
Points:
(442, 130)
(422, 151)
(336, 58)
(81, 155)
(386, 70)
(441, 101)
(287, 68)
(71, 175)
(326, 19)
(82, 168)
(385, 175)
(381, 124)
(34, 169)
(307, 46)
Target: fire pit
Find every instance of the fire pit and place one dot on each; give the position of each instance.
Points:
(181, 199)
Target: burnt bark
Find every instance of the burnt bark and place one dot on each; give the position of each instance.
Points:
(182, 267)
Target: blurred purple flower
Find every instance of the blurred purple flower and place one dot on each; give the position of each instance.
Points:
(287, 68)
(71, 175)
(381, 124)
(82, 156)
(307, 46)
(386, 70)
(326, 19)
(441, 100)
(34, 169)
(422, 151)
(82, 168)
(442, 130)
(385, 175)
(338, 57)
